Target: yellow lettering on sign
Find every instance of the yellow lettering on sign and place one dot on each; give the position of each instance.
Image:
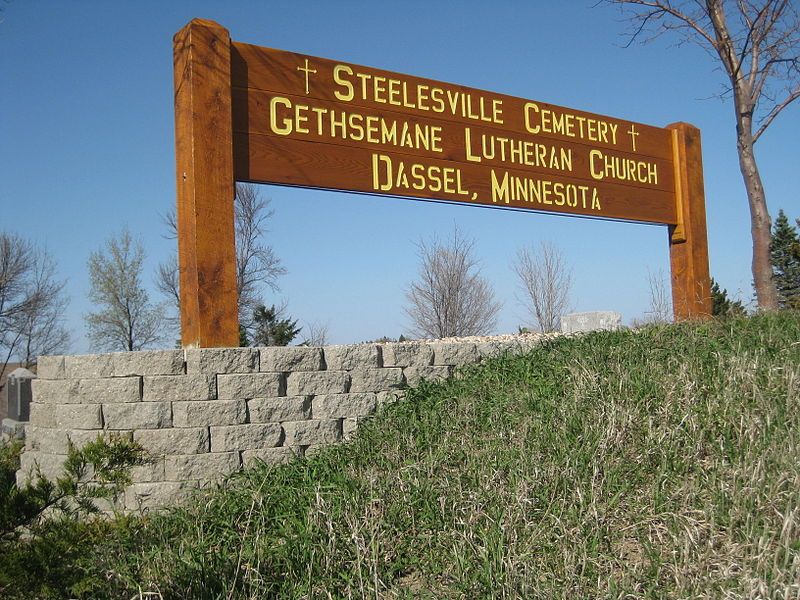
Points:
(511, 188)
(516, 151)
(394, 92)
(416, 96)
(283, 127)
(437, 96)
(300, 118)
(602, 165)
(390, 175)
(348, 86)
(544, 120)
(530, 120)
(287, 118)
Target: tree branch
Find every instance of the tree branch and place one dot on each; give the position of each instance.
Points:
(776, 110)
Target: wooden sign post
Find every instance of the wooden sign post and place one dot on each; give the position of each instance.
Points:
(248, 113)
(204, 157)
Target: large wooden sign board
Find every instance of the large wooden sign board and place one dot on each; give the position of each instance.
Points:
(248, 113)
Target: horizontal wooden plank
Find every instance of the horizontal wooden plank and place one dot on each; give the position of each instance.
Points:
(281, 160)
(259, 112)
(317, 78)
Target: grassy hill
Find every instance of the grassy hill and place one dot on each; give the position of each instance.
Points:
(661, 463)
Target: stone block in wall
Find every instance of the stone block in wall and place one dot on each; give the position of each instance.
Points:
(245, 437)
(313, 432)
(78, 416)
(407, 354)
(45, 439)
(275, 410)
(455, 354)
(50, 466)
(490, 349)
(349, 427)
(250, 385)
(209, 412)
(97, 391)
(55, 441)
(291, 358)
(389, 397)
(336, 406)
(151, 471)
(55, 391)
(317, 382)
(80, 438)
(527, 343)
(414, 375)
(347, 358)
(50, 367)
(179, 387)
(148, 362)
(42, 415)
(270, 456)
(113, 389)
(148, 496)
(139, 415)
(88, 366)
(376, 380)
(213, 361)
(180, 467)
(173, 440)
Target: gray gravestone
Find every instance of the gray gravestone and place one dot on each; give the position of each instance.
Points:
(591, 321)
(18, 388)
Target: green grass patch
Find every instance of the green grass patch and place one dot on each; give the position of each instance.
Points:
(661, 463)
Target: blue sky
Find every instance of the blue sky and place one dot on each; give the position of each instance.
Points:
(87, 145)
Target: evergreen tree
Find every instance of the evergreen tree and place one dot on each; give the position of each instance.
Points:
(785, 258)
(722, 306)
(272, 330)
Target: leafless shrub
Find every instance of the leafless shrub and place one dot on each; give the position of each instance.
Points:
(450, 297)
(256, 263)
(316, 334)
(659, 299)
(545, 283)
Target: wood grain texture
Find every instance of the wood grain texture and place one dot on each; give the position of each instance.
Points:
(273, 70)
(294, 162)
(691, 281)
(283, 112)
(205, 186)
(251, 115)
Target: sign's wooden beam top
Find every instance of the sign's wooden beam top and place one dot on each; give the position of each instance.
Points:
(279, 71)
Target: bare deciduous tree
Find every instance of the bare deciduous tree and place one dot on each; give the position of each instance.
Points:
(450, 297)
(167, 281)
(659, 300)
(546, 282)
(127, 320)
(31, 303)
(316, 334)
(256, 263)
(759, 50)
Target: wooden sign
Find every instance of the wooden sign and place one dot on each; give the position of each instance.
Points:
(248, 113)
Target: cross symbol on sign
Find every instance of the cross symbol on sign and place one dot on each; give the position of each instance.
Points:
(307, 71)
(633, 133)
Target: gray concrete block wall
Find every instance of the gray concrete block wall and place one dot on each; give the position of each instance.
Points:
(204, 413)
